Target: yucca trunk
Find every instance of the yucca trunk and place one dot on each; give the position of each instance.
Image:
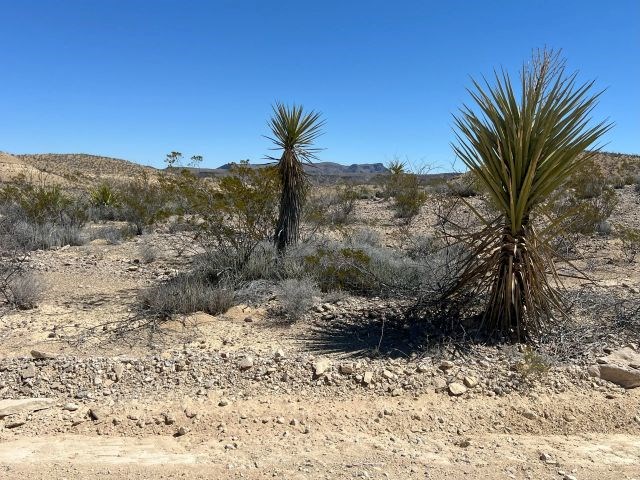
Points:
(515, 295)
(293, 179)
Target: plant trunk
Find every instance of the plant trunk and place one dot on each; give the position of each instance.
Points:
(293, 179)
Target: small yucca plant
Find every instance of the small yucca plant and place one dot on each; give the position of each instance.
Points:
(522, 146)
(294, 132)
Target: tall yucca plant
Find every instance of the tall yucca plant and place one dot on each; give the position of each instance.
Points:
(522, 146)
(294, 132)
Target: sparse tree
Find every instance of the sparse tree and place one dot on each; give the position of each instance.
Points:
(522, 146)
(294, 132)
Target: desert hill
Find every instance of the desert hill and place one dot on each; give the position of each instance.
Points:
(73, 168)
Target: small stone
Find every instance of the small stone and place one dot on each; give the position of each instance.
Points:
(223, 402)
(367, 378)
(182, 431)
(28, 372)
(388, 375)
(396, 392)
(118, 370)
(470, 382)
(568, 477)
(457, 389)
(320, 367)
(422, 368)
(280, 420)
(40, 355)
(169, 419)
(446, 365)
(248, 319)
(347, 368)
(279, 354)
(72, 407)
(95, 414)
(439, 383)
(246, 363)
(528, 414)
(14, 424)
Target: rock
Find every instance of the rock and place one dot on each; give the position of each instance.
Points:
(14, 424)
(29, 371)
(388, 375)
(223, 402)
(439, 383)
(25, 405)
(279, 354)
(446, 365)
(169, 419)
(118, 370)
(618, 368)
(457, 389)
(95, 414)
(248, 319)
(546, 458)
(566, 476)
(470, 382)
(367, 378)
(246, 363)
(72, 407)
(40, 355)
(528, 414)
(181, 431)
(422, 368)
(396, 392)
(347, 368)
(320, 367)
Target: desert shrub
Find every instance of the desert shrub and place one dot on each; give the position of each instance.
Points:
(104, 202)
(617, 182)
(333, 208)
(370, 270)
(184, 294)
(237, 213)
(111, 233)
(409, 196)
(630, 238)
(533, 365)
(142, 202)
(296, 296)
(588, 181)
(465, 186)
(637, 184)
(148, 252)
(584, 215)
(24, 291)
(41, 216)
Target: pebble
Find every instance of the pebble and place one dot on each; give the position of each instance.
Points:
(246, 363)
(72, 407)
(457, 389)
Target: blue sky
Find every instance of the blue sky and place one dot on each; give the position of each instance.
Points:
(136, 79)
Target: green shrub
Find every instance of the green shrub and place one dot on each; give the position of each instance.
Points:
(41, 216)
(409, 196)
(142, 202)
(532, 365)
(630, 241)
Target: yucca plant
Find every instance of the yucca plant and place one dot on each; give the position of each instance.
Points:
(522, 146)
(294, 132)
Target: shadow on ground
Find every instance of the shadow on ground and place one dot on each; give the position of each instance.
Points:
(381, 334)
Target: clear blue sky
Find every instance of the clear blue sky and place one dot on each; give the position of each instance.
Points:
(136, 79)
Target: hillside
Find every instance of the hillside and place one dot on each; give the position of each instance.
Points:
(81, 166)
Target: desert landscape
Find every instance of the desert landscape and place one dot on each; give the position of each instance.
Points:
(292, 378)
(319, 240)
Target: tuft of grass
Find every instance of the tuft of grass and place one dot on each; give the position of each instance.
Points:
(25, 291)
(296, 297)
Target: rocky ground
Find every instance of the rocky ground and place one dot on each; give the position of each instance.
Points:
(246, 395)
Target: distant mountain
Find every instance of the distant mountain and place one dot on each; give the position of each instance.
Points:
(322, 168)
